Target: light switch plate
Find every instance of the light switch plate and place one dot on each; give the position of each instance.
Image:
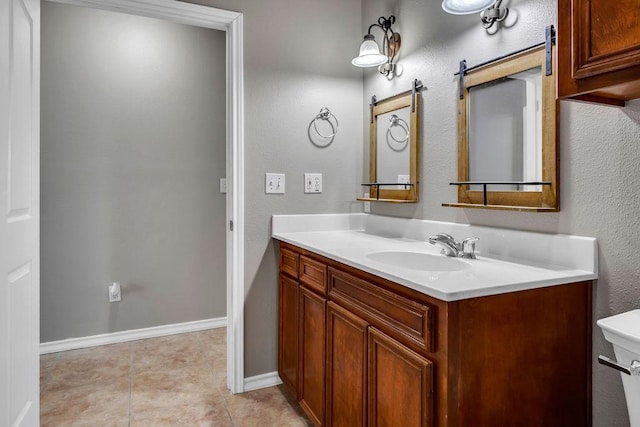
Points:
(274, 183)
(313, 183)
(223, 185)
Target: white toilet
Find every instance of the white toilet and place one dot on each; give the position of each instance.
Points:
(623, 331)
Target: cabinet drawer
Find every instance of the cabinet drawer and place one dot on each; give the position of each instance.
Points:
(313, 274)
(289, 262)
(406, 320)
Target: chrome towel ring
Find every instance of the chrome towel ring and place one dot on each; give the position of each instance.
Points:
(326, 115)
(395, 121)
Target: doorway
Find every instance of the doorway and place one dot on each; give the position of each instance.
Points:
(231, 23)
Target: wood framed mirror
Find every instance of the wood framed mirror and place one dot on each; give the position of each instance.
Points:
(393, 148)
(507, 134)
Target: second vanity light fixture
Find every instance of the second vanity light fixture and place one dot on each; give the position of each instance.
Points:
(370, 54)
(490, 10)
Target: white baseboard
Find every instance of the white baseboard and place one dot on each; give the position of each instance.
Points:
(261, 381)
(136, 334)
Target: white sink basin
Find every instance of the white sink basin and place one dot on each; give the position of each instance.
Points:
(418, 261)
(623, 330)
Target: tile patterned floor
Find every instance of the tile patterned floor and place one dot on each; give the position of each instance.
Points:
(179, 380)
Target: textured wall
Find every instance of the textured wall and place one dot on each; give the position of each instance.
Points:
(133, 145)
(599, 157)
(297, 60)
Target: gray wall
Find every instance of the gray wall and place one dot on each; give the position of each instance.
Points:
(297, 59)
(133, 146)
(599, 157)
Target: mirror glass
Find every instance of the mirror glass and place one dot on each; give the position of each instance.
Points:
(505, 131)
(393, 153)
(507, 115)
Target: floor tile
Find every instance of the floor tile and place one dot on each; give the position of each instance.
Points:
(76, 372)
(47, 363)
(264, 407)
(177, 380)
(86, 405)
(195, 379)
(156, 408)
(166, 353)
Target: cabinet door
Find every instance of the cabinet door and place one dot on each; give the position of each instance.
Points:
(599, 43)
(288, 332)
(346, 368)
(400, 384)
(311, 356)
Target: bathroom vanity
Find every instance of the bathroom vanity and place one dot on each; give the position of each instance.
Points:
(369, 338)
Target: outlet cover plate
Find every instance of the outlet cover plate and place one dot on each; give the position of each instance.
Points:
(274, 183)
(403, 179)
(115, 292)
(367, 205)
(312, 183)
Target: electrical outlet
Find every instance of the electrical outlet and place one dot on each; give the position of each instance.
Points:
(313, 183)
(403, 179)
(223, 185)
(115, 292)
(274, 183)
(367, 205)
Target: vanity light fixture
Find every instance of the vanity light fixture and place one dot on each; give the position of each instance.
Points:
(370, 54)
(490, 10)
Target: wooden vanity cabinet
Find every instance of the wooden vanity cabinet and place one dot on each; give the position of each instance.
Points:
(311, 354)
(346, 368)
(302, 330)
(599, 50)
(375, 353)
(400, 384)
(288, 296)
(372, 379)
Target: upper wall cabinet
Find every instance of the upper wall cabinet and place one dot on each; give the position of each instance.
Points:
(599, 50)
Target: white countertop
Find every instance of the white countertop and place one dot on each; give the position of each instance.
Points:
(352, 242)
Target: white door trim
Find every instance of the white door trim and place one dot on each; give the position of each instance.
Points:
(232, 23)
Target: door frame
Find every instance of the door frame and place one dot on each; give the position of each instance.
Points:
(232, 24)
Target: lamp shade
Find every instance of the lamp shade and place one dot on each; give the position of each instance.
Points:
(466, 7)
(370, 55)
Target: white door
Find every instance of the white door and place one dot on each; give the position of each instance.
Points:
(19, 212)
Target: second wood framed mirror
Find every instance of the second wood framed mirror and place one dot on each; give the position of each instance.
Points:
(507, 134)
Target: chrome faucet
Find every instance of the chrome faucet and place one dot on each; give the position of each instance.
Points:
(449, 245)
(464, 249)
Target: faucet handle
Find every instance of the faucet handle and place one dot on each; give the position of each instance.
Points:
(469, 247)
(448, 236)
(441, 236)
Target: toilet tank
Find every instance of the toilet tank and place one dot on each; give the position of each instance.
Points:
(623, 331)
